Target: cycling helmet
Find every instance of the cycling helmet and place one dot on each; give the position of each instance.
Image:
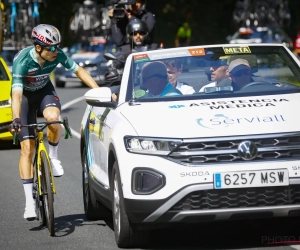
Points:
(45, 35)
(137, 25)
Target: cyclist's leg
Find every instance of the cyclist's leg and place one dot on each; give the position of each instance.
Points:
(50, 106)
(26, 138)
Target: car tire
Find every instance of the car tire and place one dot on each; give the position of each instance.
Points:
(93, 209)
(126, 233)
(59, 84)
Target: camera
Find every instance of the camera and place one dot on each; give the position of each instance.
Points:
(119, 6)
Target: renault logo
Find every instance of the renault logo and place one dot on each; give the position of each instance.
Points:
(247, 150)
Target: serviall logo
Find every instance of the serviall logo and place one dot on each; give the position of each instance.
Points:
(223, 121)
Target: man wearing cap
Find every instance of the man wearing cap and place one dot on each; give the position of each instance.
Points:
(240, 73)
(155, 80)
(218, 73)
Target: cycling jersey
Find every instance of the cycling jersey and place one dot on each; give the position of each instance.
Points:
(30, 76)
(33, 101)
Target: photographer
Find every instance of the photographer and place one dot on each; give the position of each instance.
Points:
(125, 11)
(138, 36)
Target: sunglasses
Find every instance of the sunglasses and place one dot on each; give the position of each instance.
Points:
(134, 33)
(52, 48)
(241, 73)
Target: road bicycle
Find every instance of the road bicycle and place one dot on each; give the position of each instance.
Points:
(44, 186)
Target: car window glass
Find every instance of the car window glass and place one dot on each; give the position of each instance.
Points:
(272, 70)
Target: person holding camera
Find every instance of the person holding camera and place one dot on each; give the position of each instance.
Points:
(137, 34)
(124, 12)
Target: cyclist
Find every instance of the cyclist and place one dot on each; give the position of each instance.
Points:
(32, 90)
(137, 10)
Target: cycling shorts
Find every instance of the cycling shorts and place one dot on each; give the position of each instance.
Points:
(33, 101)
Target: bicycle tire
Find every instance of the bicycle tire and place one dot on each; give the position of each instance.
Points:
(47, 193)
(38, 199)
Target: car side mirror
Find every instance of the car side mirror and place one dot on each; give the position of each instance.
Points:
(100, 97)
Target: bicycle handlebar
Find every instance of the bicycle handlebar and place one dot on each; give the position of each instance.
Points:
(40, 126)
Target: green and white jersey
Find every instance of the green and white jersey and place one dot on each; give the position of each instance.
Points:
(30, 76)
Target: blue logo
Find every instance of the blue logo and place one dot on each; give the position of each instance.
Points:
(176, 106)
(210, 123)
(222, 121)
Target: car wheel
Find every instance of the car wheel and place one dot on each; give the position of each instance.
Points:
(60, 84)
(126, 234)
(93, 209)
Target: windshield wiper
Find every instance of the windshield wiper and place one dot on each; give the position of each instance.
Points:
(209, 90)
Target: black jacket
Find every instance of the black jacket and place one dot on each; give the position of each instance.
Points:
(127, 49)
(113, 74)
(118, 27)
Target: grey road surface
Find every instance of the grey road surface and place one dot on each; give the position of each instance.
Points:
(73, 231)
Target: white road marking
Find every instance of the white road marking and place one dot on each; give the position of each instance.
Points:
(68, 104)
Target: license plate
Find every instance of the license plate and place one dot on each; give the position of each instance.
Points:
(243, 179)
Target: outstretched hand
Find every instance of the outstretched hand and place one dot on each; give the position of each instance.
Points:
(114, 97)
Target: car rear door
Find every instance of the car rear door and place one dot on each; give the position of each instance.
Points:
(5, 97)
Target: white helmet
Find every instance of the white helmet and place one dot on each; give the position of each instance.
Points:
(45, 35)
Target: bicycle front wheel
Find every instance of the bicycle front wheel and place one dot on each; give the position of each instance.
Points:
(47, 193)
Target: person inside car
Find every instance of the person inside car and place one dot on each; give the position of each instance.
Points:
(218, 74)
(155, 80)
(174, 69)
(240, 73)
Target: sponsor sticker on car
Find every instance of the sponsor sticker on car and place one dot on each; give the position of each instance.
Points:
(141, 58)
(197, 52)
(237, 50)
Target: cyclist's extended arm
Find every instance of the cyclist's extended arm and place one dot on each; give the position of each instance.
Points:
(84, 76)
(16, 101)
(80, 72)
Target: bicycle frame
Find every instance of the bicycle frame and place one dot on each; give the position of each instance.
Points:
(40, 146)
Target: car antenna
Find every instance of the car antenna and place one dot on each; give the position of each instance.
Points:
(133, 100)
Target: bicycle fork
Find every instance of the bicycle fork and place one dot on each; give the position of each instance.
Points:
(39, 162)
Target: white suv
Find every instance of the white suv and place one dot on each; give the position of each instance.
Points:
(211, 147)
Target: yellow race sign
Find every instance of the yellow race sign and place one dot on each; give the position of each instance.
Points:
(237, 50)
